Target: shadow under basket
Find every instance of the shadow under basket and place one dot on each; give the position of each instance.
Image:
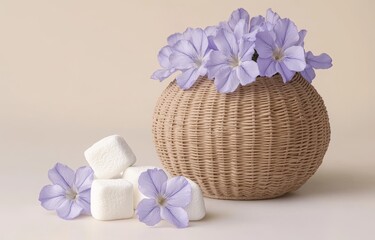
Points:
(261, 141)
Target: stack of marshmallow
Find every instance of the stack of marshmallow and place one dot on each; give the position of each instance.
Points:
(114, 192)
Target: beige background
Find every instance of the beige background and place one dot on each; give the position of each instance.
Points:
(72, 72)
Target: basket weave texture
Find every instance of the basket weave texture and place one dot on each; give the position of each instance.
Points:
(261, 141)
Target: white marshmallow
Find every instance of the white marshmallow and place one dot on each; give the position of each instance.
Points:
(110, 157)
(111, 199)
(132, 174)
(196, 210)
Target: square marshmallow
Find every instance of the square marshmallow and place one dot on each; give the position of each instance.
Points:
(110, 157)
(132, 174)
(196, 210)
(111, 199)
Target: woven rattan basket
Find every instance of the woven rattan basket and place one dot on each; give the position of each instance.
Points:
(261, 141)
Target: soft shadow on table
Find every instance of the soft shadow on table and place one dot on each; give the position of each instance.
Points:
(336, 181)
(212, 216)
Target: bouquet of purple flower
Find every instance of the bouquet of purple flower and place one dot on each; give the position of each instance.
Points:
(236, 52)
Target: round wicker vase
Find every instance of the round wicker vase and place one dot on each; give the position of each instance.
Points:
(261, 141)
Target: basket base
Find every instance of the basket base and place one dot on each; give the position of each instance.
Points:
(243, 198)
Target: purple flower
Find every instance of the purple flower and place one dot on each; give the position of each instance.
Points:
(232, 64)
(166, 199)
(186, 52)
(280, 51)
(70, 193)
(323, 61)
(190, 55)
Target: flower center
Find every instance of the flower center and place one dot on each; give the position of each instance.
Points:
(234, 62)
(278, 54)
(70, 194)
(199, 62)
(161, 200)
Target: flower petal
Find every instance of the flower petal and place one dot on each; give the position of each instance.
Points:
(178, 192)
(322, 61)
(211, 30)
(148, 212)
(247, 72)
(174, 38)
(163, 56)
(83, 179)
(175, 215)
(267, 66)
(272, 17)
(187, 78)
(61, 175)
(302, 35)
(211, 43)
(187, 35)
(308, 73)
(265, 44)
(162, 74)
(150, 182)
(199, 41)
(284, 71)
(286, 33)
(183, 58)
(238, 15)
(185, 47)
(52, 196)
(83, 200)
(246, 50)
(294, 58)
(215, 62)
(226, 80)
(241, 29)
(69, 210)
(226, 42)
(257, 23)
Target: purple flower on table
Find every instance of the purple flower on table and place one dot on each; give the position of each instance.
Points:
(232, 64)
(166, 199)
(69, 193)
(322, 61)
(280, 51)
(190, 56)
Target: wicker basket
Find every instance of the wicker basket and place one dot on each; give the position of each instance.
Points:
(261, 141)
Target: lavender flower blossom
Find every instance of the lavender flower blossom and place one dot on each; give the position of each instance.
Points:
(323, 61)
(280, 51)
(279, 48)
(186, 52)
(166, 199)
(232, 64)
(70, 193)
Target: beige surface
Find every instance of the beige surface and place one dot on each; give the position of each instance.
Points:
(72, 72)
